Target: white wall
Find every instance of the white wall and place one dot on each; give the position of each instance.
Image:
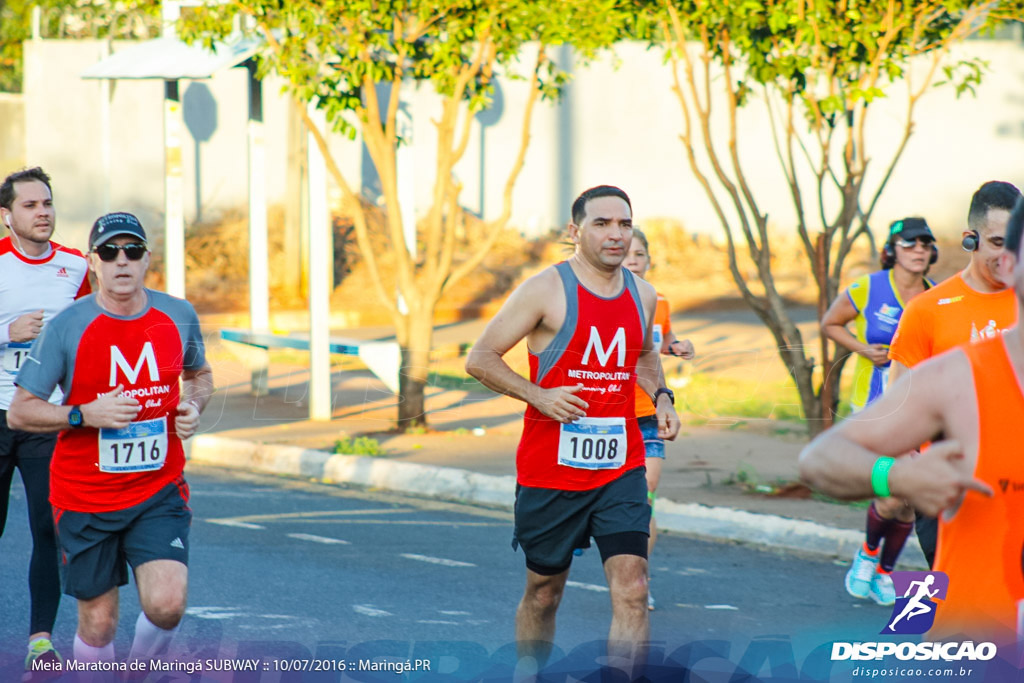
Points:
(618, 123)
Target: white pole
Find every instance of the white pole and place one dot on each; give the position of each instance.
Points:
(174, 186)
(105, 137)
(406, 166)
(174, 177)
(320, 264)
(259, 286)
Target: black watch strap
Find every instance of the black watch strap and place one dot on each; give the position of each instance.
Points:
(665, 390)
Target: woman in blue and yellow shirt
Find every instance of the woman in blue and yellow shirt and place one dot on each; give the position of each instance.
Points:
(874, 304)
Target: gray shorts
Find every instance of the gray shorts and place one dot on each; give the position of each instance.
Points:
(551, 523)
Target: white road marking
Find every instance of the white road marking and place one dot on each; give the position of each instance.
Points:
(726, 607)
(318, 539)
(437, 621)
(437, 560)
(215, 612)
(587, 586)
(369, 611)
(235, 523)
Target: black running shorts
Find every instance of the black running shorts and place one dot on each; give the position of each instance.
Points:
(97, 547)
(551, 523)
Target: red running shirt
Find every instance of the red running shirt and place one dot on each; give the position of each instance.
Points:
(88, 351)
(597, 347)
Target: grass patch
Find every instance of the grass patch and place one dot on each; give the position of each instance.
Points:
(361, 445)
(710, 397)
(454, 381)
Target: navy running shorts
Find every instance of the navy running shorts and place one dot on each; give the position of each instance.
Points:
(97, 547)
(654, 445)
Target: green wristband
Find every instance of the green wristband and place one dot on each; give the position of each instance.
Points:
(880, 477)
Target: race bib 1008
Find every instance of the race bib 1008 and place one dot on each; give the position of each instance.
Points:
(139, 447)
(15, 354)
(593, 443)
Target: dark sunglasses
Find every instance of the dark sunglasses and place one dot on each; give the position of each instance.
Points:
(108, 252)
(909, 244)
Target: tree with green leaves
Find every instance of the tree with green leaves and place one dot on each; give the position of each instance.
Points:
(68, 19)
(816, 67)
(353, 59)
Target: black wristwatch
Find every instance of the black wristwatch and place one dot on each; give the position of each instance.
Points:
(664, 390)
(75, 416)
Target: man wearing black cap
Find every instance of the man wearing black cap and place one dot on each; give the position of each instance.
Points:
(116, 479)
(973, 305)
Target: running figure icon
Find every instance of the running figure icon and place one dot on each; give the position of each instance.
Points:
(916, 605)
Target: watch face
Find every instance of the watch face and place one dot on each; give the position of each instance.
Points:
(75, 417)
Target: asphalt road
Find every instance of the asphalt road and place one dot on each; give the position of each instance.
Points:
(295, 571)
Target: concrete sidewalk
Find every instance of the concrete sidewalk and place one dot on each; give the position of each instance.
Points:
(728, 482)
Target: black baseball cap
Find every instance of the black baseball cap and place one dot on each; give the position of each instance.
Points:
(112, 225)
(910, 229)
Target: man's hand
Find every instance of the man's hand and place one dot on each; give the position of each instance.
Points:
(682, 348)
(932, 481)
(187, 421)
(668, 420)
(562, 404)
(26, 327)
(876, 353)
(111, 410)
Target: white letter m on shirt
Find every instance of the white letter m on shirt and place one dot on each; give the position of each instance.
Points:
(595, 343)
(117, 360)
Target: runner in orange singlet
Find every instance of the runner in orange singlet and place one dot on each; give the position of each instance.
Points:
(972, 305)
(974, 477)
(638, 262)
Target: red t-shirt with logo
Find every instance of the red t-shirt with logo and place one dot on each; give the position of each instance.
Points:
(87, 352)
(597, 347)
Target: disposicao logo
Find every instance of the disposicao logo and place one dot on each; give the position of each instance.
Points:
(915, 611)
(914, 614)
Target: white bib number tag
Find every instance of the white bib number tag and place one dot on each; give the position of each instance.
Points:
(593, 443)
(15, 354)
(139, 447)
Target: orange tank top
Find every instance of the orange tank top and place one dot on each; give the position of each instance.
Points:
(982, 548)
(660, 329)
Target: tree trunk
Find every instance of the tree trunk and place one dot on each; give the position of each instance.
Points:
(412, 381)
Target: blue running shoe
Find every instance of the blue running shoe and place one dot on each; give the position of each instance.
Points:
(882, 590)
(862, 571)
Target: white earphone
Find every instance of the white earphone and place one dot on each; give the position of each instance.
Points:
(7, 220)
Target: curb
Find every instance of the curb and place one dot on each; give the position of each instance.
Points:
(720, 523)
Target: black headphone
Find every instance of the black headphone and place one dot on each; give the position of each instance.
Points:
(889, 253)
(970, 242)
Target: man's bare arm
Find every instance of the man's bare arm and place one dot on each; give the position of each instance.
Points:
(521, 314)
(839, 462)
(30, 413)
(197, 387)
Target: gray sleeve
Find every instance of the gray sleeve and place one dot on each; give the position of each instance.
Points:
(45, 366)
(192, 340)
(184, 316)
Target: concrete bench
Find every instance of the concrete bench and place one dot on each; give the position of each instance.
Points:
(383, 358)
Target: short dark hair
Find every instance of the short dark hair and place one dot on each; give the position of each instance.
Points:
(24, 175)
(1014, 228)
(579, 207)
(995, 194)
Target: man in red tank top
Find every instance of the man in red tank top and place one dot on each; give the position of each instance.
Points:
(580, 462)
(972, 396)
